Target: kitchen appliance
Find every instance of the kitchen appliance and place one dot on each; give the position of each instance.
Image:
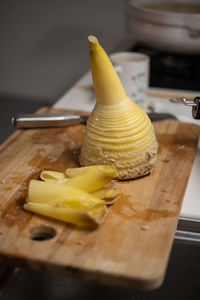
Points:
(171, 70)
(172, 26)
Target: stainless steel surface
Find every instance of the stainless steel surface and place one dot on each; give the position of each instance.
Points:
(187, 236)
(188, 102)
(162, 29)
(188, 230)
(47, 120)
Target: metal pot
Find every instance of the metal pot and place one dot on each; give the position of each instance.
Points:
(172, 26)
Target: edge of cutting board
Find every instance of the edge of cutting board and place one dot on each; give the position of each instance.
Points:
(118, 252)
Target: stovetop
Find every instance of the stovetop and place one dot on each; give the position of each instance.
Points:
(174, 71)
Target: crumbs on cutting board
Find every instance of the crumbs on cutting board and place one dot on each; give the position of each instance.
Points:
(145, 227)
(179, 146)
(127, 211)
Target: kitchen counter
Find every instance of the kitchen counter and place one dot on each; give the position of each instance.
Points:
(81, 97)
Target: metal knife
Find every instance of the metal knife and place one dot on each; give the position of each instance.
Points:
(48, 120)
(64, 119)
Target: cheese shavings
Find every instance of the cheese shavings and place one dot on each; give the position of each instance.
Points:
(79, 196)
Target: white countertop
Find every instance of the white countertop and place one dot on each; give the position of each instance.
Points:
(81, 97)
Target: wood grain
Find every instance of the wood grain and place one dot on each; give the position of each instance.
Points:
(132, 247)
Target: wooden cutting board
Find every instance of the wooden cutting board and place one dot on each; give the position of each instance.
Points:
(131, 248)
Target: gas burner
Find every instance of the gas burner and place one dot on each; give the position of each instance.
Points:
(177, 63)
(173, 71)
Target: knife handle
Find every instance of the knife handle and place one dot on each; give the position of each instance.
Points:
(47, 120)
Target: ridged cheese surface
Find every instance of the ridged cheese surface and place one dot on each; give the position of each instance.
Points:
(120, 134)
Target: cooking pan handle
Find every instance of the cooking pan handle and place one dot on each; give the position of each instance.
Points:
(192, 23)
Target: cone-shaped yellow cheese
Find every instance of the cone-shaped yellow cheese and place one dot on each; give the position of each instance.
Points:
(107, 85)
(118, 131)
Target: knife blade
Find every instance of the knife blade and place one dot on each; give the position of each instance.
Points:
(64, 119)
(48, 120)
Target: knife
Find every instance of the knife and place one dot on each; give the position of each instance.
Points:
(48, 120)
(65, 119)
